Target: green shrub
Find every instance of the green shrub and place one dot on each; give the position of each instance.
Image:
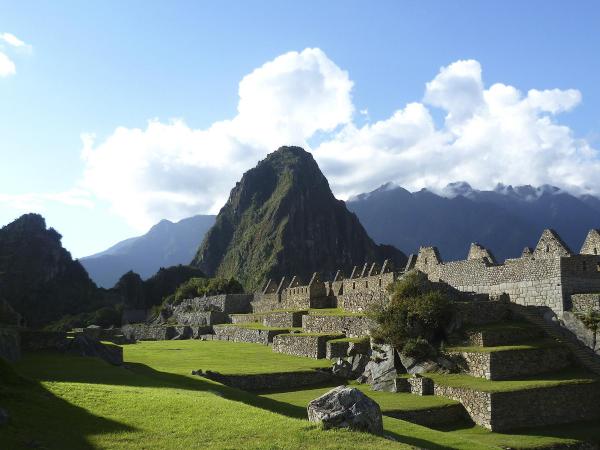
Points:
(198, 287)
(415, 316)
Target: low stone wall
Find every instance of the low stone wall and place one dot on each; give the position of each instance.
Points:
(478, 404)
(272, 381)
(507, 364)
(503, 336)
(199, 318)
(361, 301)
(351, 326)
(309, 345)
(583, 303)
(10, 344)
(284, 319)
(262, 305)
(433, 417)
(144, 332)
(554, 405)
(33, 340)
(240, 334)
(421, 385)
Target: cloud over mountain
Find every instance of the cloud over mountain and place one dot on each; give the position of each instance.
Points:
(489, 135)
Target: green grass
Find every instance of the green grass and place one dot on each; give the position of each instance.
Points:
(542, 343)
(569, 376)
(317, 334)
(388, 401)
(274, 311)
(334, 312)
(181, 357)
(258, 326)
(357, 340)
(75, 403)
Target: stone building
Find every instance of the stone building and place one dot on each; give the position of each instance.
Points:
(547, 276)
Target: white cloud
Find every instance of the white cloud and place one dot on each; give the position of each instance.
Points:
(7, 67)
(169, 170)
(38, 202)
(489, 135)
(14, 41)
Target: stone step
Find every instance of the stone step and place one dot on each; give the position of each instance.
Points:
(311, 345)
(351, 325)
(510, 362)
(251, 333)
(585, 356)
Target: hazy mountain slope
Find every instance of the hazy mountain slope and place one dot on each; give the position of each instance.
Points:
(166, 244)
(282, 219)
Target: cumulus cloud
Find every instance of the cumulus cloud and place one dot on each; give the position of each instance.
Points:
(169, 170)
(490, 134)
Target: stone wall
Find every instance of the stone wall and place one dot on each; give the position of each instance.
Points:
(432, 417)
(507, 364)
(241, 334)
(272, 381)
(537, 407)
(361, 301)
(10, 344)
(308, 345)
(503, 336)
(33, 340)
(479, 312)
(283, 319)
(351, 326)
(145, 332)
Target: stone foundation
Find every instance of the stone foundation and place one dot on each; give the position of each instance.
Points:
(479, 312)
(361, 301)
(309, 345)
(284, 319)
(144, 332)
(582, 303)
(421, 385)
(351, 326)
(240, 334)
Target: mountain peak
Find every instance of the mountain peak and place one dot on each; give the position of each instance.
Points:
(280, 219)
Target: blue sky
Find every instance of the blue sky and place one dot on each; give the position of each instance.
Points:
(96, 67)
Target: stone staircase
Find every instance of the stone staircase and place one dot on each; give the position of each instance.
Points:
(585, 356)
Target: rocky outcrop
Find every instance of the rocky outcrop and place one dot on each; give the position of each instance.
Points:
(381, 372)
(346, 407)
(282, 218)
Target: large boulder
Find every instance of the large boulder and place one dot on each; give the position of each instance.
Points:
(84, 346)
(346, 407)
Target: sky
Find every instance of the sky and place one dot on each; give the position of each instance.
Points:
(115, 115)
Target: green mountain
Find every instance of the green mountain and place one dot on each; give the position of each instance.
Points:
(282, 219)
(38, 277)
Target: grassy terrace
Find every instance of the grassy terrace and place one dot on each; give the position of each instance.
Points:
(542, 343)
(334, 312)
(569, 376)
(257, 326)
(357, 340)
(317, 334)
(74, 403)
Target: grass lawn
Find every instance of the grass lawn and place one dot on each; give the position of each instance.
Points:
(533, 345)
(258, 326)
(334, 312)
(357, 340)
(154, 403)
(569, 376)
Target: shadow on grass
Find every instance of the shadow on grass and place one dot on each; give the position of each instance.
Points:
(40, 419)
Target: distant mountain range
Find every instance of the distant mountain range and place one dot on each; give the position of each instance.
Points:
(166, 244)
(505, 219)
